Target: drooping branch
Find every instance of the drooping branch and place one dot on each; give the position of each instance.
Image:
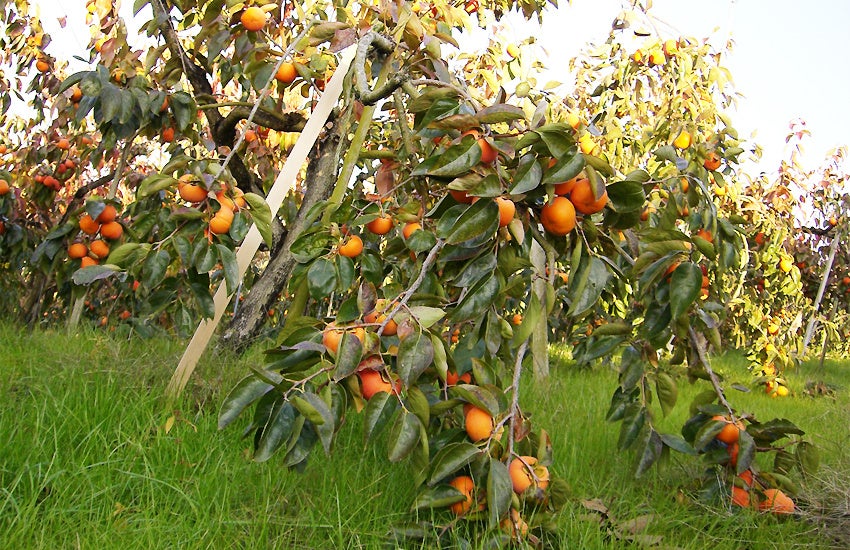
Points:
(715, 382)
(383, 46)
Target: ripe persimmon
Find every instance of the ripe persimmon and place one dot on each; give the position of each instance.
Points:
(63, 144)
(351, 247)
(683, 140)
(558, 217)
(4, 187)
(507, 210)
(777, 502)
(108, 214)
(525, 472)
(88, 225)
(466, 486)
(100, 249)
(729, 433)
(410, 228)
(460, 196)
(168, 134)
(453, 378)
(565, 187)
(332, 335)
(111, 231)
(378, 315)
(584, 200)
(372, 382)
(712, 161)
(740, 497)
(478, 423)
(191, 192)
(220, 224)
(87, 261)
(380, 225)
(253, 19)
(286, 73)
(77, 251)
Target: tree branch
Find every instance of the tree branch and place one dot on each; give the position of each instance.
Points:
(224, 132)
(384, 46)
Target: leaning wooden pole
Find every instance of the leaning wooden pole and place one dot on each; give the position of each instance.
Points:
(810, 330)
(285, 180)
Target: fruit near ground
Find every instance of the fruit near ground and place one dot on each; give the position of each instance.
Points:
(525, 472)
(465, 485)
(777, 502)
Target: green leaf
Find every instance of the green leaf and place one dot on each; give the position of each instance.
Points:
(155, 267)
(262, 216)
(677, 443)
(415, 354)
(348, 355)
(456, 160)
(626, 196)
(92, 273)
(633, 421)
(378, 412)
(243, 394)
(557, 137)
(808, 457)
(477, 300)
(426, 316)
(499, 491)
(499, 113)
(436, 497)
(652, 447)
(707, 433)
(417, 403)
(276, 431)
(588, 285)
(479, 396)
(321, 278)
(478, 220)
(527, 175)
(123, 253)
(685, 286)
(667, 390)
(154, 184)
(530, 318)
(569, 165)
(450, 459)
(403, 436)
(231, 268)
(746, 451)
(315, 410)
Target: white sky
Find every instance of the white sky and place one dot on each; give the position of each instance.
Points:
(789, 58)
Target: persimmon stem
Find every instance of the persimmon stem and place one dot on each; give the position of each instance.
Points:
(430, 260)
(703, 357)
(514, 413)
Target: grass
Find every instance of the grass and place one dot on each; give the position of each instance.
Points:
(86, 461)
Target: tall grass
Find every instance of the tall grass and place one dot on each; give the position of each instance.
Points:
(87, 461)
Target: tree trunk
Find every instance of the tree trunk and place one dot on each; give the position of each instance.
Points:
(321, 174)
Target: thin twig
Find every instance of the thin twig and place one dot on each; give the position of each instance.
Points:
(426, 265)
(703, 357)
(515, 396)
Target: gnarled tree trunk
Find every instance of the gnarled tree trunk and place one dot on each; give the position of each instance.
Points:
(321, 176)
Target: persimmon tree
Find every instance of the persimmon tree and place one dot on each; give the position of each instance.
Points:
(440, 229)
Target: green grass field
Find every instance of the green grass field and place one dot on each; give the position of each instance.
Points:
(86, 462)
